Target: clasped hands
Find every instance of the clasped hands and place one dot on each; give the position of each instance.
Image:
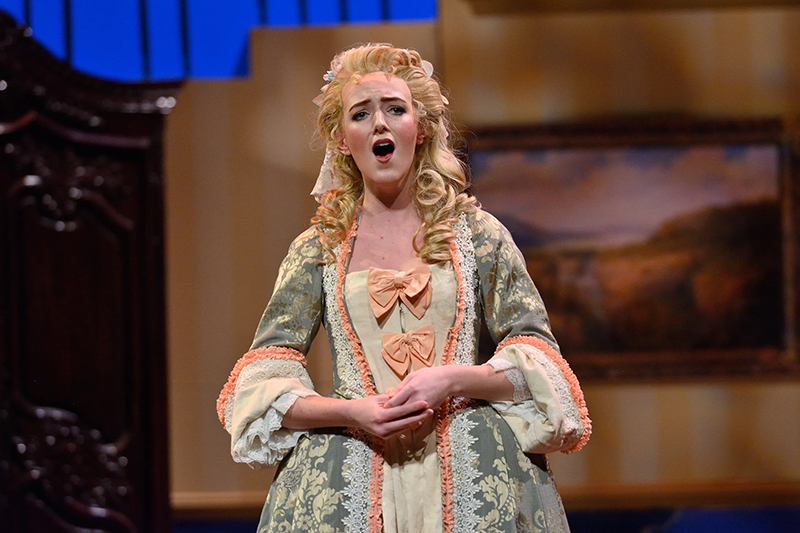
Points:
(406, 405)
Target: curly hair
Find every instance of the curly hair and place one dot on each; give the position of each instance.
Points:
(440, 176)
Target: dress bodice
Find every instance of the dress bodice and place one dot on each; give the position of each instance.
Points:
(411, 490)
(440, 314)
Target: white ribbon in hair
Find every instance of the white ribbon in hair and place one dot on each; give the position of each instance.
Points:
(327, 179)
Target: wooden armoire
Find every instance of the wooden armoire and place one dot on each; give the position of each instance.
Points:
(83, 403)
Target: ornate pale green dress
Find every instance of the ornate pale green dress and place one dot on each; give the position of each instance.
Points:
(476, 466)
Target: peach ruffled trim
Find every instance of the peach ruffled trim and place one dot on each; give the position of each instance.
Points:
(450, 348)
(569, 375)
(443, 438)
(375, 520)
(355, 344)
(271, 352)
(446, 411)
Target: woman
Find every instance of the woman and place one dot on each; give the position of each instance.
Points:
(402, 266)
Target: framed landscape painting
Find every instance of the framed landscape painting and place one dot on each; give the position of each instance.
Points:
(661, 247)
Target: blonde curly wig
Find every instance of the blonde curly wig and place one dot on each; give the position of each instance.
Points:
(440, 176)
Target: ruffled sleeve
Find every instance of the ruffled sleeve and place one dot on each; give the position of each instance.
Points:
(548, 412)
(272, 375)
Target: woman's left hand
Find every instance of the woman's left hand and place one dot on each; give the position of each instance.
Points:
(431, 385)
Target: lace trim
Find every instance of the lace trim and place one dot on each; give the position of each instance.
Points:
(275, 441)
(457, 508)
(566, 385)
(452, 354)
(355, 344)
(343, 252)
(500, 365)
(345, 362)
(465, 347)
(356, 378)
(268, 369)
(458, 350)
(263, 370)
(271, 352)
(515, 376)
(356, 473)
(572, 421)
(464, 459)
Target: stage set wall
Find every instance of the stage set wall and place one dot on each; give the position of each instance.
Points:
(241, 160)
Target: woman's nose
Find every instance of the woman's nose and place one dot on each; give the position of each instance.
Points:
(380, 122)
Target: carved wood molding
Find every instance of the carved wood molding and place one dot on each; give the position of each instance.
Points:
(83, 438)
(76, 98)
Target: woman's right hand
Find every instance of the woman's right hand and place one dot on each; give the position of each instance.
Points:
(370, 415)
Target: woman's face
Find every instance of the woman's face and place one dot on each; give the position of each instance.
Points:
(380, 130)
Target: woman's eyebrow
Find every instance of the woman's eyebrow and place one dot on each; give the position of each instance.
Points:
(383, 100)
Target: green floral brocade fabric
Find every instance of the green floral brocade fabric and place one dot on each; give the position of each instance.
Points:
(493, 477)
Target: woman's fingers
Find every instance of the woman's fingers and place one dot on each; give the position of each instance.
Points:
(401, 392)
(398, 396)
(404, 409)
(370, 414)
(429, 384)
(401, 425)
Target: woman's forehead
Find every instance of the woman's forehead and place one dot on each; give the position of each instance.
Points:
(379, 84)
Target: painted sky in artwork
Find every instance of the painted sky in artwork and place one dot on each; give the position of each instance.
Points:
(619, 196)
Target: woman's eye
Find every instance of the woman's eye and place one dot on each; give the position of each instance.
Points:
(397, 110)
(360, 115)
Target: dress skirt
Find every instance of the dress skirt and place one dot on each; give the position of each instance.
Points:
(495, 486)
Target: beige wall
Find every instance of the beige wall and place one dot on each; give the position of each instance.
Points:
(730, 62)
(239, 168)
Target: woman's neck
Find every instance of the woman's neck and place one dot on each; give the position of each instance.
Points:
(386, 235)
(401, 208)
(390, 195)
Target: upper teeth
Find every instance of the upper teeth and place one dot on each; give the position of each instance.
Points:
(383, 148)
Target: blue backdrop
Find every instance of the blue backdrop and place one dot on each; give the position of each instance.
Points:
(151, 40)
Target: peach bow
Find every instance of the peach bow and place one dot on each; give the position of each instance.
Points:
(413, 287)
(400, 349)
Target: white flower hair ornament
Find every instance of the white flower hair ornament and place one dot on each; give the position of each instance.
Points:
(327, 179)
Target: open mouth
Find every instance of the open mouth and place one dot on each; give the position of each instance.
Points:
(383, 148)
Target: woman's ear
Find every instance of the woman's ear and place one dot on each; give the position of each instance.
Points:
(420, 138)
(342, 145)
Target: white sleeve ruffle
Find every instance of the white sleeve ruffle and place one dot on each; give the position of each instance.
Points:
(265, 441)
(545, 414)
(514, 376)
(264, 392)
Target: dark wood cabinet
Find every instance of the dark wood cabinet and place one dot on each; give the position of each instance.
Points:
(83, 426)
